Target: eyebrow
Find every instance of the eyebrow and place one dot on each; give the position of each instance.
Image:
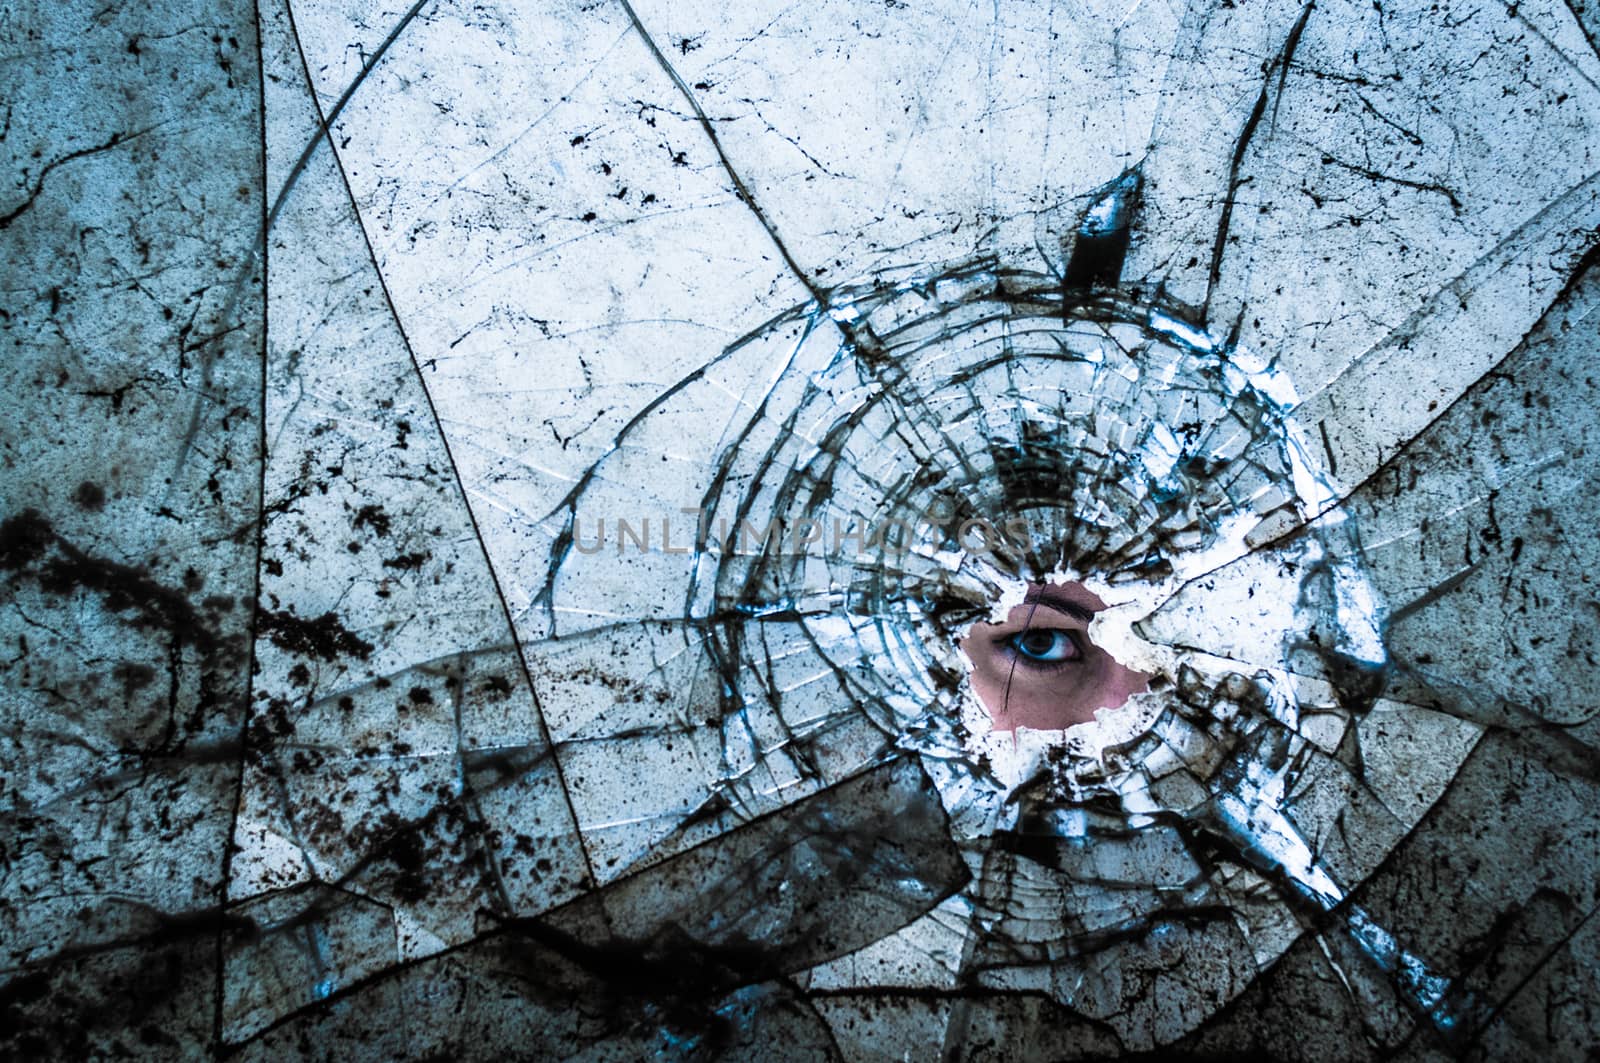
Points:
(1054, 599)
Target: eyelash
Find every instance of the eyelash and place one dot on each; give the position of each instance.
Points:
(1008, 646)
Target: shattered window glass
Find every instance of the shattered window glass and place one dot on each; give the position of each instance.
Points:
(841, 531)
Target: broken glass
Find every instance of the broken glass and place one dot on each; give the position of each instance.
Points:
(505, 506)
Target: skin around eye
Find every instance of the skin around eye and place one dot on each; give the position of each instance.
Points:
(1040, 669)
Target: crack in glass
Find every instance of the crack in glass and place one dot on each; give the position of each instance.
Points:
(542, 546)
(1115, 444)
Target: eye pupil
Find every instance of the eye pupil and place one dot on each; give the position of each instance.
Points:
(1038, 643)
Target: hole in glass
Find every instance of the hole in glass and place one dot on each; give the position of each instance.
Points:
(1040, 669)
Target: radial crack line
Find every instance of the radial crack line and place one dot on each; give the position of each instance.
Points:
(739, 186)
(1574, 211)
(226, 878)
(1280, 66)
(258, 251)
(324, 123)
(1587, 262)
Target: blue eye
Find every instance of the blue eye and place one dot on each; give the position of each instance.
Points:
(1045, 645)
